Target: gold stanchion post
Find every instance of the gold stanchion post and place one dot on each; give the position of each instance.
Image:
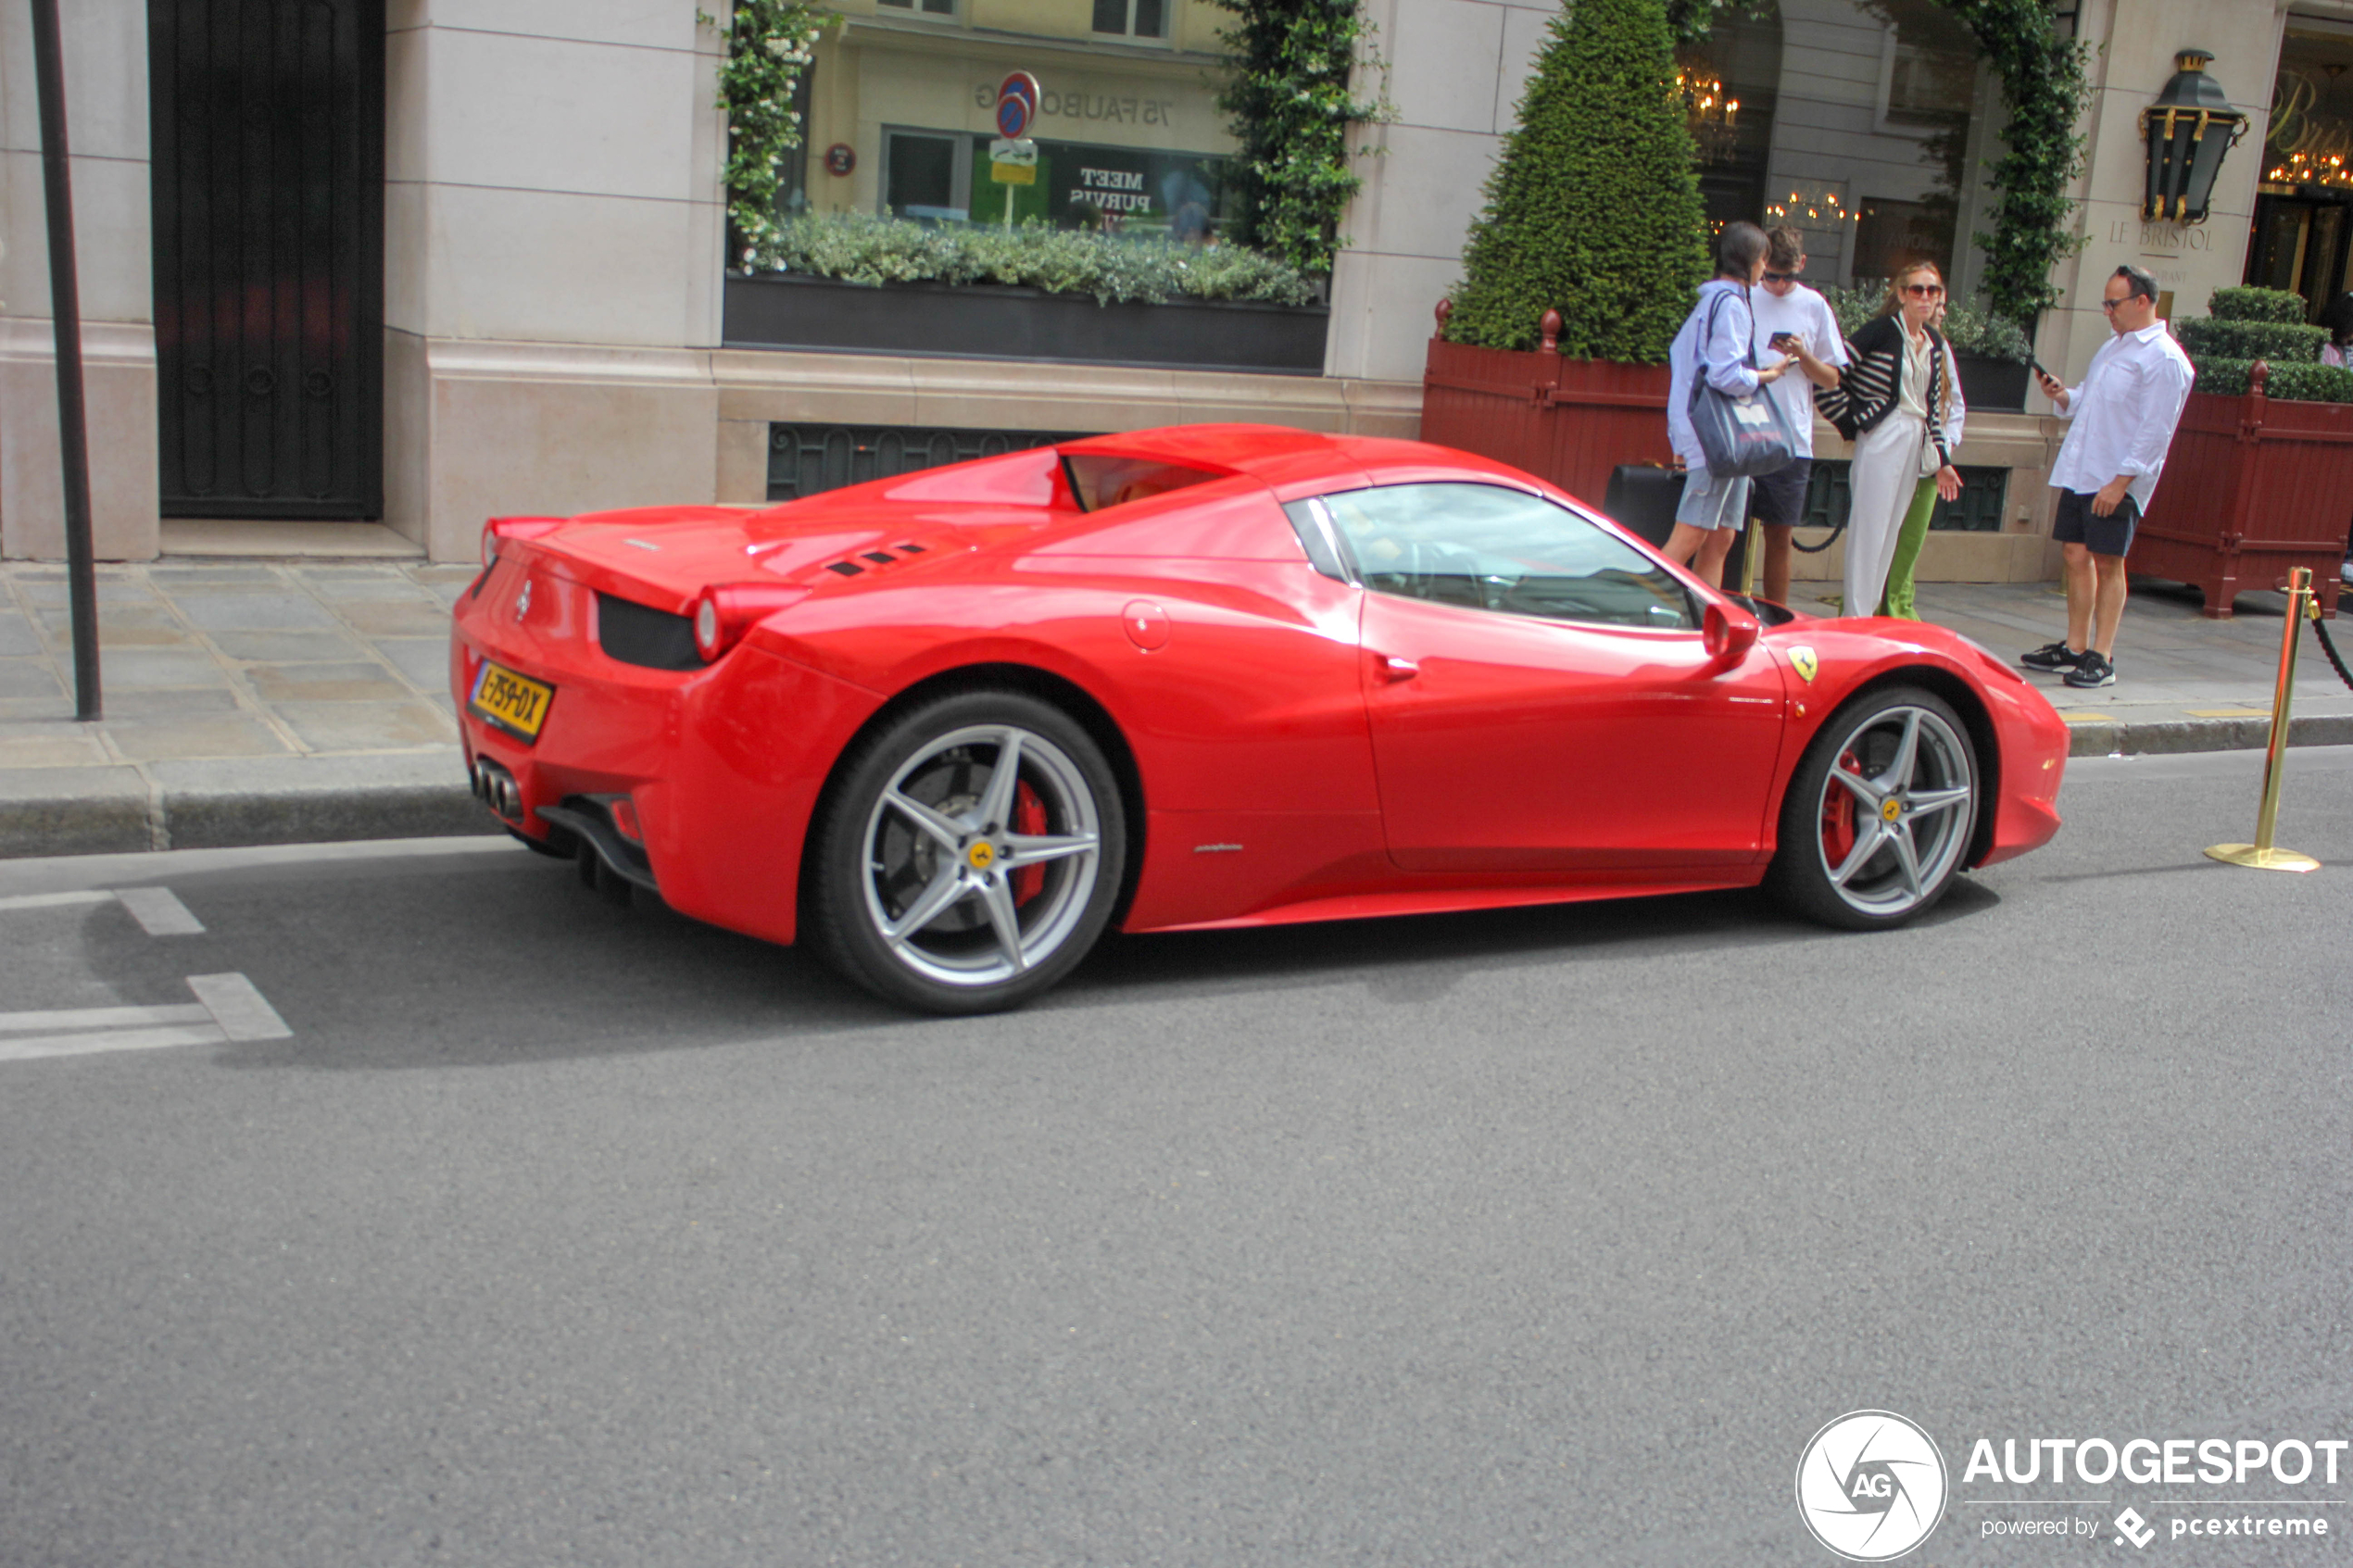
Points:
(2260, 854)
(1750, 542)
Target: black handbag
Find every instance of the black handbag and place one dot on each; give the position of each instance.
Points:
(1641, 499)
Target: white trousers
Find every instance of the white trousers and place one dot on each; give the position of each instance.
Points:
(1878, 484)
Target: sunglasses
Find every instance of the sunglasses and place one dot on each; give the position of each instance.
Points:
(1781, 277)
(1925, 291)
(2112, 304)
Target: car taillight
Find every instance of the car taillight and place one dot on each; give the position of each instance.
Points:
(706, 629)
(500, 528)
(727, 610)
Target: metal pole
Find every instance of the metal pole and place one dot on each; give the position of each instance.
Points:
(2260, 854)
(65, 310)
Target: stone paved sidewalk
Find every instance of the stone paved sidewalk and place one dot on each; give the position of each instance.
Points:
(274, 699)
(262, 701)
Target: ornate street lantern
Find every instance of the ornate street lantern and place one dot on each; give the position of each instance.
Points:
(2188, 130)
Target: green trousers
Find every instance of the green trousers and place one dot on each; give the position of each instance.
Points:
(1897, 599)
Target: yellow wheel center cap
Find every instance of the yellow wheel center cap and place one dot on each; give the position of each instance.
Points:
(1890, 810)
(981, 856)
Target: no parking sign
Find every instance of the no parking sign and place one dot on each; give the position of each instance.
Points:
(1018, 98)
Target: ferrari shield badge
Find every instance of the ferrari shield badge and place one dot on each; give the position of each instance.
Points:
(1802, 659)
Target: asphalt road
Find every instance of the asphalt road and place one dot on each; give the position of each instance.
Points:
(552, 1233)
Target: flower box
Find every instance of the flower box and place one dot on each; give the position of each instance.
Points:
(1995, 386)
(1571, 422)
(2253, 486)
(995, 322)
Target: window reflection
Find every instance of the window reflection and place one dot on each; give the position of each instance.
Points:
(1486, 547)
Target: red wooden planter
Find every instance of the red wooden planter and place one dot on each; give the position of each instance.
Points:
(1567, 420)
(2253, 486)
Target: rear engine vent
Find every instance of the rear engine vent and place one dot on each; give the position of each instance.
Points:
(847, 568)
(651, 639)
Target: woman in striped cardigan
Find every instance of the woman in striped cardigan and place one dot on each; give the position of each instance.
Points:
(1895, 402)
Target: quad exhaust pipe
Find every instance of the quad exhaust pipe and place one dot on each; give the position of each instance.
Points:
(496, 788)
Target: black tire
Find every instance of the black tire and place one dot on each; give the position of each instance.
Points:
(1862, 847)
(918, 817)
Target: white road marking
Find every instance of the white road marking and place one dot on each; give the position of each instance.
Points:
(227, 1009)
(51, 901)
(110, 1040)
(103, 1017)
(159, 911)
(238, 1008)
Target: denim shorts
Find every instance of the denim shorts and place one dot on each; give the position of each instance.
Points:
(1713, 502)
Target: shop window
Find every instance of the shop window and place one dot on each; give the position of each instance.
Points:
(1123, 190)
(1890, 235)
(926, 176)
(1855, 121)
(2303, 229)
(1135, 18)
(929, 8)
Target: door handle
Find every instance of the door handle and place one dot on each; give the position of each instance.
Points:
(1392, 670)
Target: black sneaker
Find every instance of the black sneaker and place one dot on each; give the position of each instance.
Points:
(2090, 670)
(2051, 657)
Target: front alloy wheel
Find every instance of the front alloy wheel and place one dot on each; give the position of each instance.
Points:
(970, 855)
(1879, 816)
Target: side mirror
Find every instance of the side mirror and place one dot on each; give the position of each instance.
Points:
(1729, 632)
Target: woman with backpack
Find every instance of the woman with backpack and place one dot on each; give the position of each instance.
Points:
(1898, 404)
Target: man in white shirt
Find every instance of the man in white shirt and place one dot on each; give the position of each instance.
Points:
(2120, 421)
(1793, 319)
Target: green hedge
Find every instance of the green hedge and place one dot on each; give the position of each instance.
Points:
(860, 248)
(1594, 208)
(2291, 382)
(2257, 305)
(2280, 342)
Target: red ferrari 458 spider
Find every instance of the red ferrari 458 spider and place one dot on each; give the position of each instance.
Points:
(946, 728)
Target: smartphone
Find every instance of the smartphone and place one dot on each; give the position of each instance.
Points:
(2036, 366)
(1784, 343)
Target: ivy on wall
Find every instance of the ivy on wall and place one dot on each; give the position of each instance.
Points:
(770, 44)
(1293, 98)
(2045, 89)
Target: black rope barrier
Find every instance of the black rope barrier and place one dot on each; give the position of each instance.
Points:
(2328, 647)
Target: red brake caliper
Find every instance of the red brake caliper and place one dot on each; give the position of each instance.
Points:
(1029, 818)
(1838, 814)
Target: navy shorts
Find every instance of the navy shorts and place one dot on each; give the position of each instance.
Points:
(1779, 497)
(2109, 535)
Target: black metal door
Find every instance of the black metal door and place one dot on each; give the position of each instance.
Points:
(267, 128)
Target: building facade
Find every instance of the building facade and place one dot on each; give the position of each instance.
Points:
(402, 265)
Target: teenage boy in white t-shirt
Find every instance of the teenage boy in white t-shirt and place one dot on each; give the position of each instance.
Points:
(1791, 319)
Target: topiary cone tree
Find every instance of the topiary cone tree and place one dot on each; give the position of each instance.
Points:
(1594, 209)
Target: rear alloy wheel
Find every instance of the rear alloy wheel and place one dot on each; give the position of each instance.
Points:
(970, 855)
(1877, 818)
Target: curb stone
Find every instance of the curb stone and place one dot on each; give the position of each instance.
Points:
(423, 795)
(2130, 737)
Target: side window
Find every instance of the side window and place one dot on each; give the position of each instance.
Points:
(1487, 548)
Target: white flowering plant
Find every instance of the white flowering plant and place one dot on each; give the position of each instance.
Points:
(770, 44)
(861, 248)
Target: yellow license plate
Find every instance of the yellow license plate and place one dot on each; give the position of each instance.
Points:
(513, 702)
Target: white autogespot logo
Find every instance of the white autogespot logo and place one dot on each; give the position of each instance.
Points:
(1871, 1485)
